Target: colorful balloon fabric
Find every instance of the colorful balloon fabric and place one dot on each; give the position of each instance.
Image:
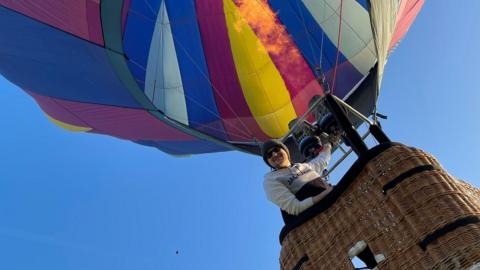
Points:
(188, 76)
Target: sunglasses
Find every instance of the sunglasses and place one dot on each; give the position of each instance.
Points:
(273, 150)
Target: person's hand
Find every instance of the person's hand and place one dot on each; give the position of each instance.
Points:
(324, 138)
(335, 139)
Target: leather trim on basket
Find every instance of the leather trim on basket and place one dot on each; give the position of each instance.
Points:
(337, 191)
(446, 229)
(299, 264)
(406, 175)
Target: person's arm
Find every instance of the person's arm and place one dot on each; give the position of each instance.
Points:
(320, 162)
(280, 195)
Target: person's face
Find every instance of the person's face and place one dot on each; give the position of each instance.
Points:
(278, 158)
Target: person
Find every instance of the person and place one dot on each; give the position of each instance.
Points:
(294, 187)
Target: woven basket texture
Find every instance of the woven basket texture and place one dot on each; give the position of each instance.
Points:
(392, 223)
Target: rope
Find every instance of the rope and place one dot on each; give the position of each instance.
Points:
(338, 47)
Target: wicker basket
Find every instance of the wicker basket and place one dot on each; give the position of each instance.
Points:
(403, 205)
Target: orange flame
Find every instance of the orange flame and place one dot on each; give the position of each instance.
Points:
(264, 22)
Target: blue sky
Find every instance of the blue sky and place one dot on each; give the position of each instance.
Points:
(77, 201)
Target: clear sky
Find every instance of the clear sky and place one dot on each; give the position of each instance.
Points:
(79, 201)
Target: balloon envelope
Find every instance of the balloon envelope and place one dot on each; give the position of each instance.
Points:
(188, 76)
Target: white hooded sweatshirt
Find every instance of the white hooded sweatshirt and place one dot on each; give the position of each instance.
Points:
(282, 184)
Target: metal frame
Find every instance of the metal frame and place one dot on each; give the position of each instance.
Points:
(345, 155)
(351, 135)
(300, 120)
(356, 142)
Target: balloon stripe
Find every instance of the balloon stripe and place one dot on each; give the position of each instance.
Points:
(57, 64)
(231, 102)
(363, 3)
(297, 20)
(139, 29)
(315, 45)
(262, 84)
(312, 41)
(58, 114)
(194, 69)
(68, 126)
(406, 14)
(358, 46)
(297, 75)
(78, 17)
(163, 84)
(185, 148)
(124, 123)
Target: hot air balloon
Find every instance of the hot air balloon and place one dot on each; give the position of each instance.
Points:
(199, 76)
(202, 76)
